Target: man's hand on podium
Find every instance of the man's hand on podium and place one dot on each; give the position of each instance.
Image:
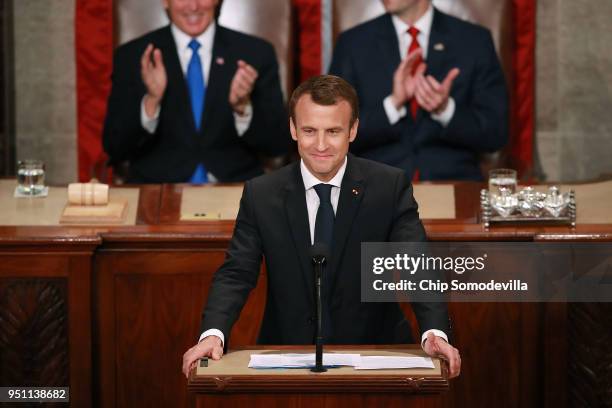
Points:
(210, 346)
(438, 347)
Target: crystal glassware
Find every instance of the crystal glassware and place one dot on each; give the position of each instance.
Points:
(31, 177)
(502, 179)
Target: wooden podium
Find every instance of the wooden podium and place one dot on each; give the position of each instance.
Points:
(230, 383)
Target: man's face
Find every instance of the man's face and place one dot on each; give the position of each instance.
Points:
(191, 16)
(400, 6)
(323, 135)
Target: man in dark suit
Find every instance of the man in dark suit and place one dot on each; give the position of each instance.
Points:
(282, 214)
(194, 101)
(432, 92)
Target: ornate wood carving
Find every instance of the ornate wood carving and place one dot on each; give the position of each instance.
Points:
(33, 332)
(590, 355)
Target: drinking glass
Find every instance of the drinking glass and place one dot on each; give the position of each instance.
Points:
(31, 177)
(502, 180)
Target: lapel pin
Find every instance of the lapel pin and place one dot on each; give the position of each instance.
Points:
(439, 47)
(355, 192)
(220, 61)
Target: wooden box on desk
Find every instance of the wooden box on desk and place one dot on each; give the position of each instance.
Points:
(230, 383)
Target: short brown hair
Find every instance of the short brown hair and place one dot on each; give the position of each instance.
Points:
(326, 90)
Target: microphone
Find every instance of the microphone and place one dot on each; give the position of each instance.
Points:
(319, 253)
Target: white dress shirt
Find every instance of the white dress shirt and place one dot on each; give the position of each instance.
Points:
(312, 198)
(312, 205)
(206, 40)
(404, 40)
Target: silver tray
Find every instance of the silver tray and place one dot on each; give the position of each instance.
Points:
(488, 215)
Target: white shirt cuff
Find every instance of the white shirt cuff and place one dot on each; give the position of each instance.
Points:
(446, 115)
(149, 124)
(243, 121)
(393, 114)
(436, 332)
(213, 332)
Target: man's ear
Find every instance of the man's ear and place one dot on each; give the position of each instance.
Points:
(353, 131)
(292, 129)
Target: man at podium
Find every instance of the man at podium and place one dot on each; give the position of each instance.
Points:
(328, 197)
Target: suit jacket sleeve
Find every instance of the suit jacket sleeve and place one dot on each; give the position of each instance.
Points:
(374, 126)
(407, 227)
(239, 273)
(123, 133)
(268, 131)
(481, 123)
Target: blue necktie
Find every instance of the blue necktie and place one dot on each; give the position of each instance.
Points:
(324, 233)
(197, 93)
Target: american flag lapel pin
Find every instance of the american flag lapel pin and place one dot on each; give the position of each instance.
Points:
(439, 47)
(220, 61)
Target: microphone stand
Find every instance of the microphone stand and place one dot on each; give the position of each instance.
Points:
(319, 261)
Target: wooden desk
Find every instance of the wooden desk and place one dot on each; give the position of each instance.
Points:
(132, 298)
(229, 383)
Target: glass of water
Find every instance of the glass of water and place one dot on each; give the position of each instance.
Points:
(30, 177)
(502, 180)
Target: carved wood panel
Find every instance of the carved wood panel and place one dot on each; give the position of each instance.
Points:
(34, 332)
(590, 355)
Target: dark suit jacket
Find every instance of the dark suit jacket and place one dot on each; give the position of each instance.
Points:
(273, 222)
(367, 57)
(173, 152)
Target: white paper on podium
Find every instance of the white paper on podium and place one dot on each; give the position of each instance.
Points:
(392, 362)
(294, 360)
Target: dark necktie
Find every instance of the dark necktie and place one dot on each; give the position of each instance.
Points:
(197, 94)
(324, 224)
(324, 233)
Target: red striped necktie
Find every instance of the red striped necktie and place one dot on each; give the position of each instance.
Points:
(414, 106)
(414, 45)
